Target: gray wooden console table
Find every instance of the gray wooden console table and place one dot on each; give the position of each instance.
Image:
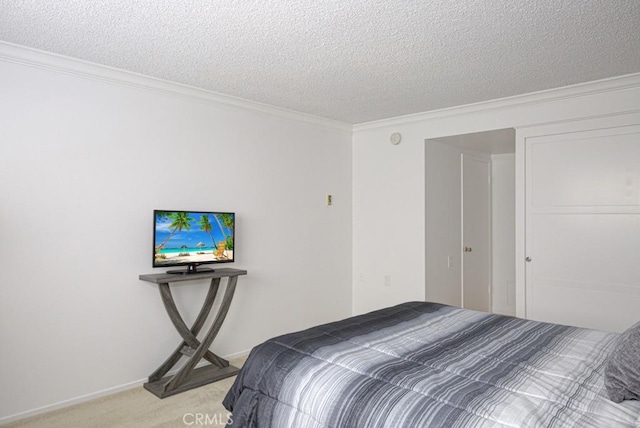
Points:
(187, 377)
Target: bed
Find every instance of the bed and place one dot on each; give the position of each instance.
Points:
(423, 364)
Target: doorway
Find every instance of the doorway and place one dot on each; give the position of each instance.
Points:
(483, 277)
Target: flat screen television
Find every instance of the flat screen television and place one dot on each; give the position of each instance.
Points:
(192, 238)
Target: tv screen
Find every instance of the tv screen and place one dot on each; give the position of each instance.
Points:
(192, 238)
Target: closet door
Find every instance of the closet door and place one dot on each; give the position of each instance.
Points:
(582, 228)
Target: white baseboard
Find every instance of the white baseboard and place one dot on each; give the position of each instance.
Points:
(98, 394)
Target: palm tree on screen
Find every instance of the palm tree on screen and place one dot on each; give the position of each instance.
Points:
(179, 221)
(225, 223)
(205, 225)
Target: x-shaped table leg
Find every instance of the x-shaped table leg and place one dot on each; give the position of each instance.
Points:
(191, 346)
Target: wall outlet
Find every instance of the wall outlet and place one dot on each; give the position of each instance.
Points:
(387, 280)
(329, 200)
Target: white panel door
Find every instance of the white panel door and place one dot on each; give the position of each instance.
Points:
(583, 228)
(476, 234)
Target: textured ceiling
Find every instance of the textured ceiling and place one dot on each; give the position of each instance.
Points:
(353, 60)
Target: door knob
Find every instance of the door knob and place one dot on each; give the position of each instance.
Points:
(528, 259)
(467, 249)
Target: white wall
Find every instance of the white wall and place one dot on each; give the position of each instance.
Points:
(388, 181)
(503, 231)
(388, 197)
(86, 155)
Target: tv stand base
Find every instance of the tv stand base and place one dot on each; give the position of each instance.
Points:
(198, 377)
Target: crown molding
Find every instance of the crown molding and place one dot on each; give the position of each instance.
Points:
(36, 58)
(549, 95)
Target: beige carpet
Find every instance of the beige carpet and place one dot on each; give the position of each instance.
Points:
(137, 407)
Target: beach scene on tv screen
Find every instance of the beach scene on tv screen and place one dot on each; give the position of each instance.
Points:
(193, 237)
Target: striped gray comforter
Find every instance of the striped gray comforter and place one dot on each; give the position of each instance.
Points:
(429, 365)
